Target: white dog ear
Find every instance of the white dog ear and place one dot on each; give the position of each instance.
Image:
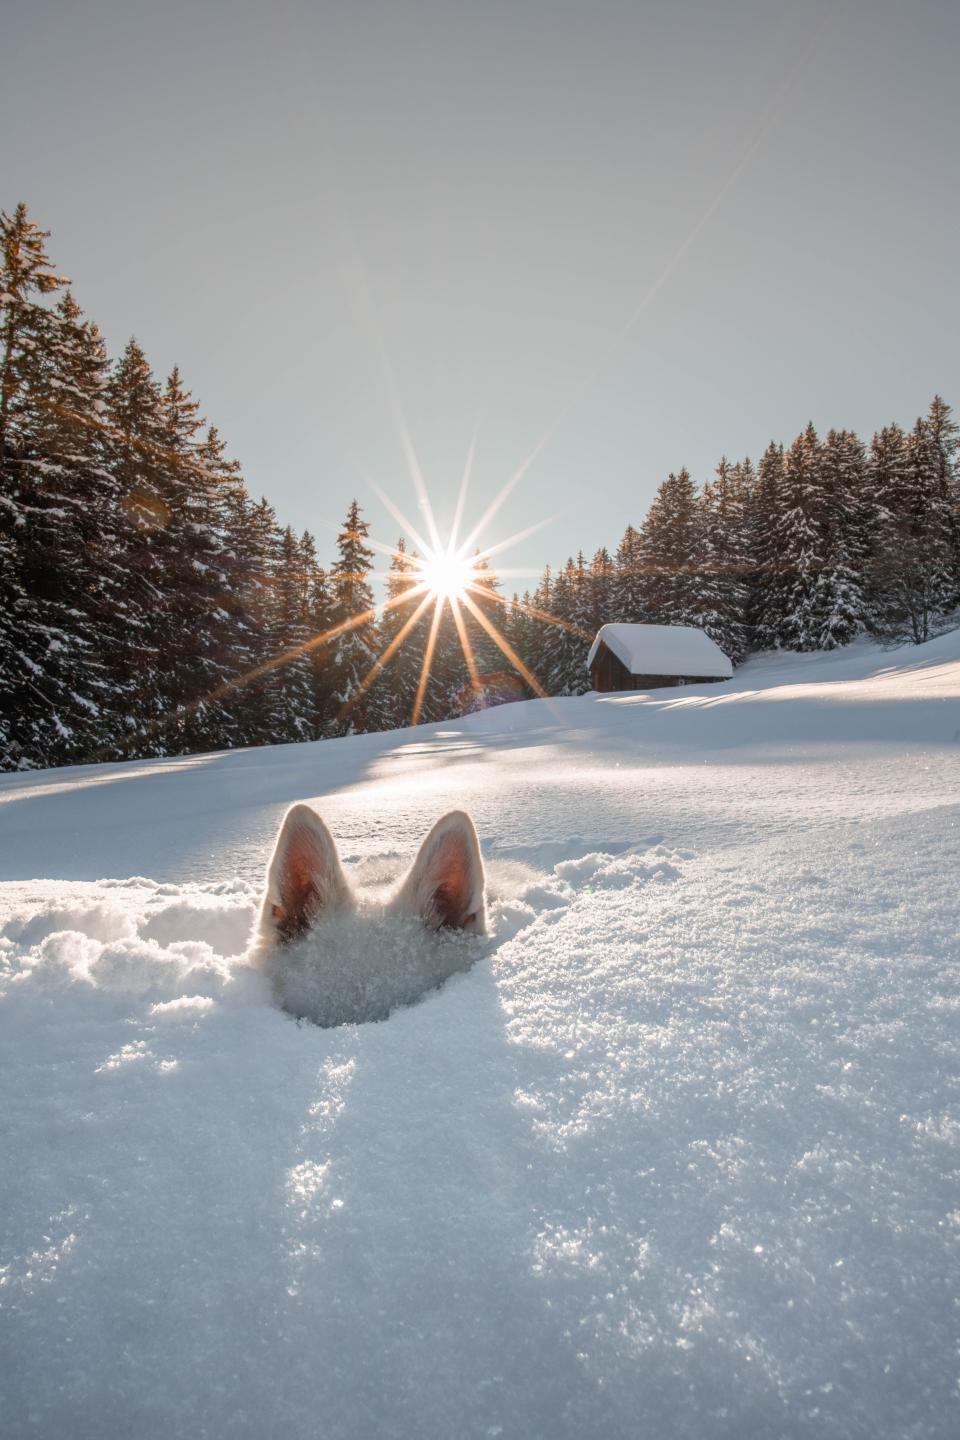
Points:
(445, 885)
(305, 876)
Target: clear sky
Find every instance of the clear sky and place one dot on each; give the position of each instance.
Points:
(655, 232)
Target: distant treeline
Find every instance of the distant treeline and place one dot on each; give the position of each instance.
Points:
(149, 606)
(820, 542)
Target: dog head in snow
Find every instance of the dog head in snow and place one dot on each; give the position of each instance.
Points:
(336, 955)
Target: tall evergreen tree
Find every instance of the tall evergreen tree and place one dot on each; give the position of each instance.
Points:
(191, 631)
(800, 544)
(319, 618)
(291, 689)
(678, 586)
(768, 579)
(629, 595)
(840, 603)
(911, 573)
(260, 555)
(943, 445)
(396, 688)
(136, 438)
(602, 590)
(725, 503)
(26, 324)
(55, 504)
(354, 649)
(489, 659)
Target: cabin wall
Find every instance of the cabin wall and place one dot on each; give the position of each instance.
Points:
(609, 673)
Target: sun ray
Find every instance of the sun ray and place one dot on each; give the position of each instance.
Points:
(509, 573)
(465, 644)
(537, 614)
(464, 486)
(383, 660)
(505, 490)
(516, 538)
(379, 545)
(416, 475)
(399, 516)
(403, 429)
(275, 661)
(427, 663)
(505, 648)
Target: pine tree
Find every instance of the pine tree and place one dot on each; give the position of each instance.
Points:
(725, 539)
(629, 594)
(26, 277)
(291, 686)
(602, 587)
(354, 650)
(54, 503)
(801, 543)
(768, 581)
(840, 602)
(136, 462)
(258, 548)
(942, 437)
(396, 688)
(678, 584)
(242, 651)
(491, 665)
(319, 618)
(233, 629)
(522, 629)
(911, 571)
(537, 630)
(191, 631)
(564, 647)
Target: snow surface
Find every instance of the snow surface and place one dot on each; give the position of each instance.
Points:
(663, 650)
(679, 1156)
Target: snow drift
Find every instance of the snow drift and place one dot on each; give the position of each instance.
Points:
(677, 1157)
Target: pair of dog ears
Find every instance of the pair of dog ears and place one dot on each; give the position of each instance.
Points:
(305, 878)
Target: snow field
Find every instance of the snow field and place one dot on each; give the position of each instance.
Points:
(678, 1157)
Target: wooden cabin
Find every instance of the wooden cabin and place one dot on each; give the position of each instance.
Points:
(651, 657)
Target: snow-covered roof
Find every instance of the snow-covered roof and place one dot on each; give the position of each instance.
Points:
(664, 650)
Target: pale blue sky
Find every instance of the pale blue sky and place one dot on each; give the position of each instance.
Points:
(494, 190)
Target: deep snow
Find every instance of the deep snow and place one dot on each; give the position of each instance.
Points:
(678, 1157)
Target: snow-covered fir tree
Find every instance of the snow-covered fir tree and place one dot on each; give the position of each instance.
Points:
(628, 586)
(602, 589)
(800, 543)
(678, 583)
(354, 648)
(56, 506)
(485, 687)
(840, 601)
(726, 545)
(396, 688)
(291, 682)
(911, 571)
(768, 580)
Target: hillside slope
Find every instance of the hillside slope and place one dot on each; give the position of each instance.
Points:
(679, 1156)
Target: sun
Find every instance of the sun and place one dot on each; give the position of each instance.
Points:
(447, 574)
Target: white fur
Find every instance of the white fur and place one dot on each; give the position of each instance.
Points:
(338, 958)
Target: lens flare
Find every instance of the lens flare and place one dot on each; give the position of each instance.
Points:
(447, 574)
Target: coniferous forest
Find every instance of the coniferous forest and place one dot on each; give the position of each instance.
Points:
(149, 605)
